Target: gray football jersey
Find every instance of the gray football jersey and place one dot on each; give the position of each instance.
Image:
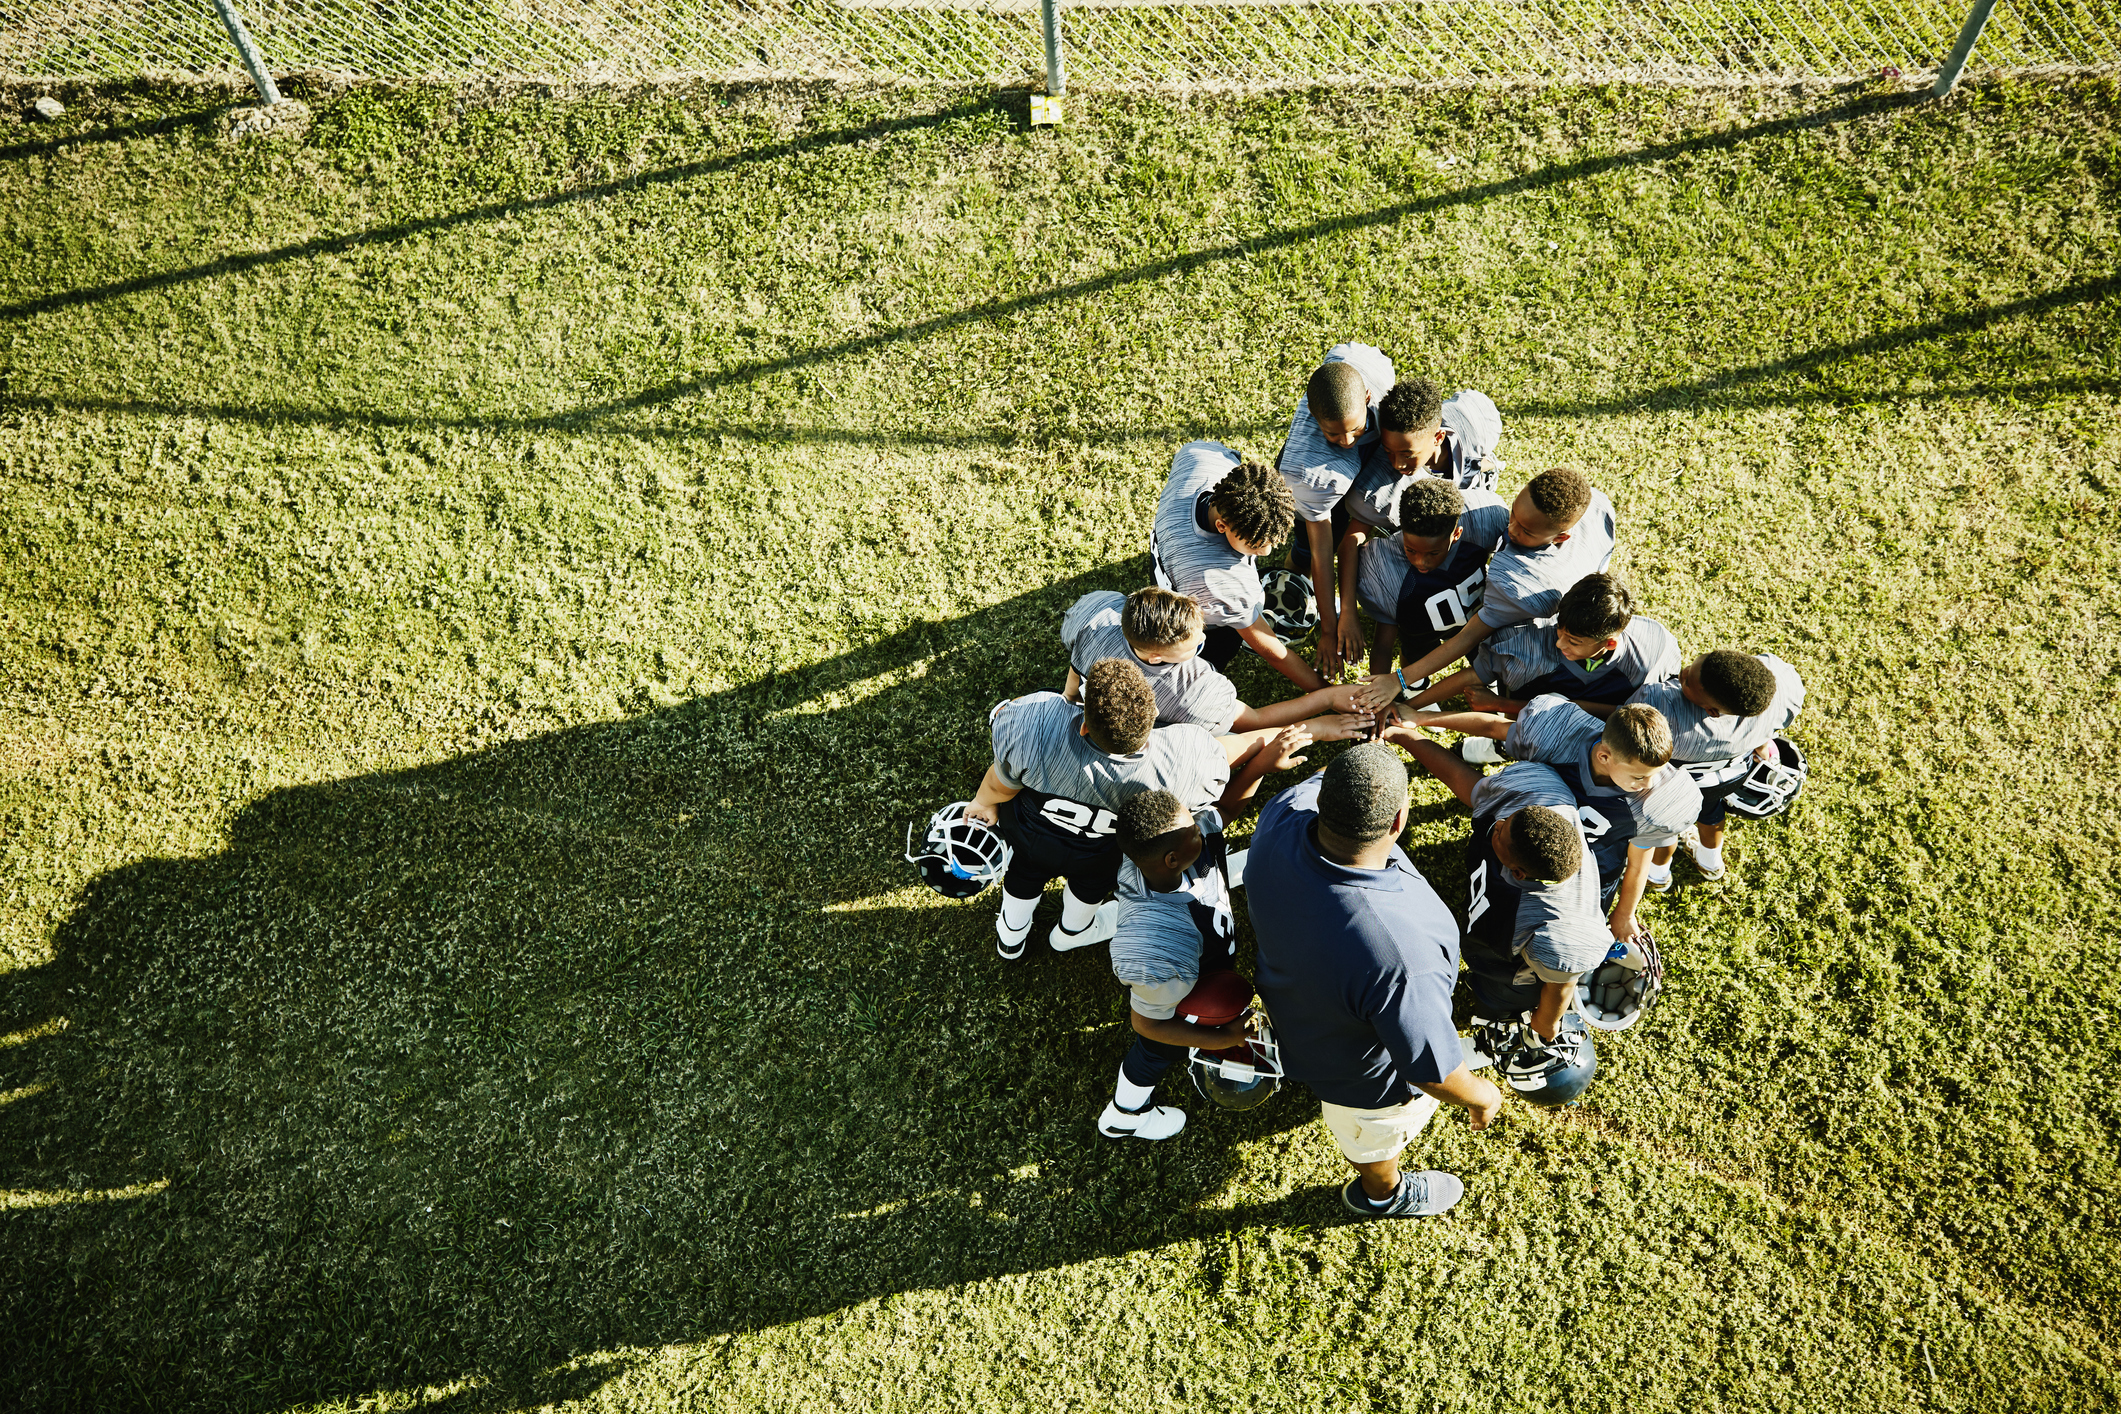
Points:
(1192, 691)
(1556, 731)
(1318, 472)
(1525, 653)
(1382, 569)
(1162, 937)
(1189, 557)
(1528, 584)
(1696, 736)
(1560, 927)
(1039, 745)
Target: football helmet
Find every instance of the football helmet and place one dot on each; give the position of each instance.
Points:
(959, 855)
(1292, 607)
(1770, 786)
(1539, 1071)
(1243, 1076)
(1613, 995)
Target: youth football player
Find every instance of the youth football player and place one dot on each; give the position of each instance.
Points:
(1321, 460)
(1218, 513)
(1724, 707)
(1421, 585)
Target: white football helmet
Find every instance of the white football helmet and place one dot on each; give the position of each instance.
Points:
(959, 856)
(1292, 606)
(1613, 995)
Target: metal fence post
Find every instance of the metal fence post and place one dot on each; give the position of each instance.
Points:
(1969, 33)
(1056, 76)
(254, 61)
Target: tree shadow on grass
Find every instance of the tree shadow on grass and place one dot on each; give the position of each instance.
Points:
(629, 1034)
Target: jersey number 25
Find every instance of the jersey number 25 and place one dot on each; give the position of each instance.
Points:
(1077, 818)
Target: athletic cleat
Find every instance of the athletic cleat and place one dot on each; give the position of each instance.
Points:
(1419, 1195)
(1479, 751)
(1009, 942)
(1659, 883)
(1102, 926)
(1693, 849)
(1156, 1122)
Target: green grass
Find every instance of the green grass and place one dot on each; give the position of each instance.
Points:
(485, 589)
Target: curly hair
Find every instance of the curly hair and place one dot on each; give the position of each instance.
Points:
(1158, 618)
(1547, 843)
(1413, 405)
(1146, 818)
(1119, 706)
(1739, 682)
(1429, 507)
(1254, 504)
(1562, 495)
(1597, 606)
(1639, 733)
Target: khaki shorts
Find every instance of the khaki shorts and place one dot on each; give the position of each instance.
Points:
(1372, 1136)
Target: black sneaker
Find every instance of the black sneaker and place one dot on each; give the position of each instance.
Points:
(1419, 1195)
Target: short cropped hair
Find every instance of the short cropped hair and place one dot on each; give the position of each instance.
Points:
(1429, 507)
(1364, 791)
(1738, 681)
(1119, 704)
(1146, 818)
(1413, 405)
(1158, 618)
(1562, 495)
(1338, 393)
(1598, 606)
(1547, 843)
(1255, 502)
(1639, 733)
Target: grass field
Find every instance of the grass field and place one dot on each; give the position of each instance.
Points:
(486, 588)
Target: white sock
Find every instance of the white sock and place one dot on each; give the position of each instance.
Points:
(1661, 873)
(1016, 912)
(1129, 1096)
(1075, 914)
(1710, 860)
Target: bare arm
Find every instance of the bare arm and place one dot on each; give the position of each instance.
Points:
(1351, 642)
(1346, 698)
(1633, 880)
(1276, 753)
(1173, 1032)
(1460, 645)
(1318, 535)
(1073, 691)
(1444, 688)
(992, 793)
(1458, 775)
(1475, 1094)
(1382, 650)
(1278, 656)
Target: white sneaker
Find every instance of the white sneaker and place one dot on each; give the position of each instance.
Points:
(1234, 868)
(1156, 1122)
(1009, 941)
(1103, 924)
(1479, 751)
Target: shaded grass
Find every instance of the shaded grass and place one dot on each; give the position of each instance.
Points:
(487, 588)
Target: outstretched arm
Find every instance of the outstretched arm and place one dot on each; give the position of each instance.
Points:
(1383, 687)
(1458, 776)
(1266, 756)
(1351, 642)
(1633, 880)
(1261, 636)
(1345, 698)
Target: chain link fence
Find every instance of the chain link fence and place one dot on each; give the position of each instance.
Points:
(1111, 44)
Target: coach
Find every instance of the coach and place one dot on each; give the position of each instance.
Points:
(1357, 961)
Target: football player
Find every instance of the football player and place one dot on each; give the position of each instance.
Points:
(1533, 922)
(1631, 800)
(1218, 513)
(1561, 528)
(1059, 776)
(1724, 707)
(1321, 460)
(1420, 585)
(1162, 632)
(1174, 925)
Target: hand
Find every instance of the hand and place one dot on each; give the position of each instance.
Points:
(1285, 745)
(1765, 751)
(1352, 644)
(1348, 726)
(1382, 688)
(1625, 927)
(982, 812)
(1347, 697)
(1329, 664)
(1223, 1038)
(1481, 1113)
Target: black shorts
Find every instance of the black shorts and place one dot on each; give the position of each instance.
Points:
(1713, 809)
(1219, 646)
(1043, 850)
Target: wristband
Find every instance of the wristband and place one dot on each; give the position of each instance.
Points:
(1404, 691)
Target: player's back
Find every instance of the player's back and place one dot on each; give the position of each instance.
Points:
(1188, 692)
(1190, 556)
(1698, 737)
(1528, 584)
(1040, 749)
(1557, 921)
(1176, 934)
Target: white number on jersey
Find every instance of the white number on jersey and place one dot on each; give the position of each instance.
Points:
(1594, 824)
(1455, 602)
(1477, 886)
(1077, 818)
(1211, 902)
(1156, 567)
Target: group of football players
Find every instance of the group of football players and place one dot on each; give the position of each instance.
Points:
(1613, 745)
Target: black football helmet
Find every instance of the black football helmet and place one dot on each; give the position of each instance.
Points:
(1539, 1071)
(959, 856)
(1292, 606)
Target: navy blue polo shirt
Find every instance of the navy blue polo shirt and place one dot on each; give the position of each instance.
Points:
(1356, 966)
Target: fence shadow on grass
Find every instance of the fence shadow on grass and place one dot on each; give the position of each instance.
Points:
(632, 1033)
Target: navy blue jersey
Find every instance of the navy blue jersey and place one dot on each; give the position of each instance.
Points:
(1440, 601)
(1608, 822)
(1492, 895)
(1603, 687)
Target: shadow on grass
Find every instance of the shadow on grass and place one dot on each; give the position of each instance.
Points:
(629, 1034)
